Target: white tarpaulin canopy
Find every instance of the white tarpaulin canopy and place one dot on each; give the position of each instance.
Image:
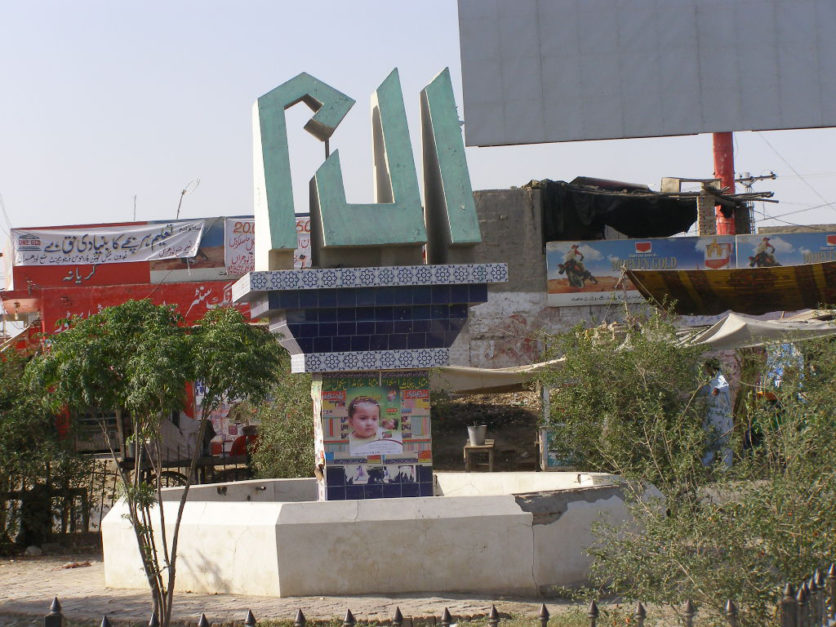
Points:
(466, 380)
(741, 331)
(733, 331)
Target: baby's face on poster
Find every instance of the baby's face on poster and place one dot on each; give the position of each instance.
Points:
(365, 419)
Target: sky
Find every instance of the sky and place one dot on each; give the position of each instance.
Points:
(109, 110)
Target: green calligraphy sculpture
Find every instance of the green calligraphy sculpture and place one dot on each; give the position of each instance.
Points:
(396, 218)
(450, 209)
(275, 237)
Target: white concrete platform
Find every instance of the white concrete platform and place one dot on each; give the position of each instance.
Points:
(508, 533)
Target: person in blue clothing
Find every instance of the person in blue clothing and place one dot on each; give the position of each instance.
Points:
(718, 423)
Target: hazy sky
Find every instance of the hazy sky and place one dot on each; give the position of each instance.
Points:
(104, 101)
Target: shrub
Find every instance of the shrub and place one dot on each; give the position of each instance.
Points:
(285, 447)
(719, 534)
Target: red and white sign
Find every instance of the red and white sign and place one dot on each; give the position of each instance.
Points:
(239, 244)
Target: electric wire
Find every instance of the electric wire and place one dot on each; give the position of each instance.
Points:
(796, 172)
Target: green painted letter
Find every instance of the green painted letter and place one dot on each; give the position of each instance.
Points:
(275, 237)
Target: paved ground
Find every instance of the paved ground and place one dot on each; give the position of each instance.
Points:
(28, 585)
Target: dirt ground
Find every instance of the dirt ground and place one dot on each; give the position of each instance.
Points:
(511, 420)
(28, 585)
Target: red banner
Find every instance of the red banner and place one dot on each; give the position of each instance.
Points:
(192, 300)
(81, 275)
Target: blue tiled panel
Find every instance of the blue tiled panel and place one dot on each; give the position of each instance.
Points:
(335, 476)
(334, 325)
(344, 361)
(410, 489)
(340, 488)
(349, 299)
(375, 328)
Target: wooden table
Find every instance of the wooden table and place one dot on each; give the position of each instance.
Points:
(472, 449)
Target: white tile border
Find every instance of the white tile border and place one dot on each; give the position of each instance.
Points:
(385, 276)
(408, 359)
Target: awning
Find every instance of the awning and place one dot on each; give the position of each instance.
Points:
(747, 290)
(466, 380)
(733, 331)
(741, 331)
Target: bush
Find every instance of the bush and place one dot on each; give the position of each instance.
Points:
(286, 437)
(36, 462)
(627, 402)
(738, 533)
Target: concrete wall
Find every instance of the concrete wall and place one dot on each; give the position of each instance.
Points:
(479, 542)
(505, 330)
(255, 490)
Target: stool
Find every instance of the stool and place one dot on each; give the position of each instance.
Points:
(471, 449)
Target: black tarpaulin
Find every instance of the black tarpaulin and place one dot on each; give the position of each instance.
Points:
(579, 212)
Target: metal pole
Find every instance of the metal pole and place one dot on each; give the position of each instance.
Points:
(723, 144)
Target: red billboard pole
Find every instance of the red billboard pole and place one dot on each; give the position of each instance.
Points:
(724, 170)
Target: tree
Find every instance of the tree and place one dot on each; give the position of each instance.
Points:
(137, 358)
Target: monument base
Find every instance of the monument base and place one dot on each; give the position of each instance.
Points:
(236, 538)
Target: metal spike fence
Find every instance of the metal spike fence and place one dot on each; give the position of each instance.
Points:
(811, 604)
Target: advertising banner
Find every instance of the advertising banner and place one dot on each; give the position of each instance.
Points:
(239, 244)
(192, 300)
(207, 263)
(376, 432)
(785, 249)
(589, 272)
(112, 244)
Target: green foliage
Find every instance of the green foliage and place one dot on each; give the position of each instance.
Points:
(285, 442)
(136, 358)
(718, 533)
(627, 402)
(232, 358)
(34, 458)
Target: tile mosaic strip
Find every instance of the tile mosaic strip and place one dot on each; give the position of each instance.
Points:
(370, 360)
(328, 278)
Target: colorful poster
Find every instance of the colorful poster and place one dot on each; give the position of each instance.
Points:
(371, 414)
(785, 249)
(112, 244)
(375, 431)
(239, 244)
(207, 263)
(590, 272)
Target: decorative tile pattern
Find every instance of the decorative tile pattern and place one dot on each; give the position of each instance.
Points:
(325, 278)
(351, 361)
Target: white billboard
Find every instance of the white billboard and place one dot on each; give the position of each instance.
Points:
(561, 70)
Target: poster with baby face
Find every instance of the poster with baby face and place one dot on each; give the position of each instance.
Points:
(367, 414)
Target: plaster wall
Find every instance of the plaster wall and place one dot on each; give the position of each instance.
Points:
(505, 331)
(255, 490)
(480, 541)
